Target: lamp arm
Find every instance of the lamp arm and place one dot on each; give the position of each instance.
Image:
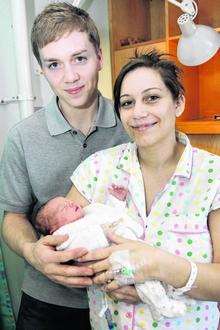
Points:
(187, 6)
(176, 3)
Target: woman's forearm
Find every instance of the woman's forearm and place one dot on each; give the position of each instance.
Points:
(175, 271)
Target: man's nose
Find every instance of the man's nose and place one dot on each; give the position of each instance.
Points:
(70, 73)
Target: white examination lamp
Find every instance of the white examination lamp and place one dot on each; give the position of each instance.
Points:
(198, 43)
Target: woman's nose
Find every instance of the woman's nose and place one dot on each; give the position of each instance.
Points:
(140, 110)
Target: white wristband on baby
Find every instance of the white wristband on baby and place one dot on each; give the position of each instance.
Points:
(189, 285)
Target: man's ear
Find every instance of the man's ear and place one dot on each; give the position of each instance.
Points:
(180, 106)
(38, 65)
(100, 59)
(39, 70)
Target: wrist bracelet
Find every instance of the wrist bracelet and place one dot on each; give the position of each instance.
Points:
(189, 285)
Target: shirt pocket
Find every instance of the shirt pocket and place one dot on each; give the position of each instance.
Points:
(189, 237)
(184, 225)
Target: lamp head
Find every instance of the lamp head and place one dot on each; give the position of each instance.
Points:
(197, 44)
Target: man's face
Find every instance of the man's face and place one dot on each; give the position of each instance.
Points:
(71, 65)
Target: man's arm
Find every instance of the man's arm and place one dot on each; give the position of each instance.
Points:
(17, 231)
(20, 236)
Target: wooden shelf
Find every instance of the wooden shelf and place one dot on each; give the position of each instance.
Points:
(174, 38)
(199, 126)
(142, 44)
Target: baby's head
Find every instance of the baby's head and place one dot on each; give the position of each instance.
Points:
(57, 212)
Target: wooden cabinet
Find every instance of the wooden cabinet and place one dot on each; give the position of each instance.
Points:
(135, 24)
(148, 24)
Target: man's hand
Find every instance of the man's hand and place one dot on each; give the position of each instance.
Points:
(43, 256)
(127, 294)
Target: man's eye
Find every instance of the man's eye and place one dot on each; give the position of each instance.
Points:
(126, 104)
(53, 66)
(81, 59)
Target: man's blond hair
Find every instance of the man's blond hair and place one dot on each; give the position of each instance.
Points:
(58, 19)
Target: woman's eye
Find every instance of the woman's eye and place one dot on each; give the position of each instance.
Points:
(126, 104)
(53, 66)
(152, 98)
(80, 59)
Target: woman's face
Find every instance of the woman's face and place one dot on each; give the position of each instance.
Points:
(147, 109)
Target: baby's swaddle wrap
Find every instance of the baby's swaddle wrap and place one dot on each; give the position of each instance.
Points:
(89, 232)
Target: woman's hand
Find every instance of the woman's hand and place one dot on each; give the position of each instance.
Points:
(127, 294)
(144, 260)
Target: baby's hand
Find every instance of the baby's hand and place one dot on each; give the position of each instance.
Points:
(119, 192)
(110, 227)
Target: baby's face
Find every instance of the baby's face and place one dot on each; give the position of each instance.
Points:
(63, 211)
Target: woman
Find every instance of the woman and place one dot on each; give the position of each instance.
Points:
(173, 191)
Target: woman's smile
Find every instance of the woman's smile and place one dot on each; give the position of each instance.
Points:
(143, 126)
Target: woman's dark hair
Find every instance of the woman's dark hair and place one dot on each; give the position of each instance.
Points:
(169, 72)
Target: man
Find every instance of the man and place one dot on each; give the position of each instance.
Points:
(40, 155)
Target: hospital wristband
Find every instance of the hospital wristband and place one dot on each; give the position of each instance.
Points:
(189, 285)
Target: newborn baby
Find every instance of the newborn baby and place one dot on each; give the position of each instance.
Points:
(61, 216)
(87, 226)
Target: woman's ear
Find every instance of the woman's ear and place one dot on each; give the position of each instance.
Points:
(180, 106)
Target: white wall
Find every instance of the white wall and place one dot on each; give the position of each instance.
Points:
(9, 114)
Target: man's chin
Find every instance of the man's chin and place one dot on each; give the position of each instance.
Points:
(78, 102)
